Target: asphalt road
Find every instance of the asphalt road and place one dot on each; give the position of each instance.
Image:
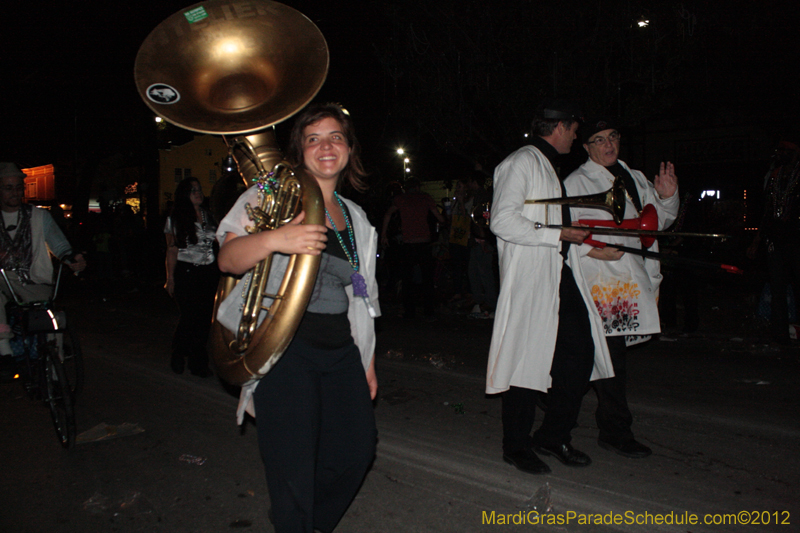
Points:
(719, 408)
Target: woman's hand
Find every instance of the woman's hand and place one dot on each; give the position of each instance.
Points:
(298, 238)
(372, 379)
(238, 254)
(170, 286)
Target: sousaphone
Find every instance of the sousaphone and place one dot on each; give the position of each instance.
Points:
(235, 69)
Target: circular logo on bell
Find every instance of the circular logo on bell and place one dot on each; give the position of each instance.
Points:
(162, 93)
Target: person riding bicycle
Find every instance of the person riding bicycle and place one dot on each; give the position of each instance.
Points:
(27, 238)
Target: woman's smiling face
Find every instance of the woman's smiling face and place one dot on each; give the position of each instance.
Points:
(325, 149)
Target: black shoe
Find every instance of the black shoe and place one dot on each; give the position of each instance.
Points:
(629, 448)
(566, 454)
(526, 461)
(177, 363)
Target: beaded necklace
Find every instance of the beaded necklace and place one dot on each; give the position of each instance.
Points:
(353, 260)
(358, 281)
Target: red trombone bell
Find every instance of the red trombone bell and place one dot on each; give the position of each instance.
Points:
(648, 221)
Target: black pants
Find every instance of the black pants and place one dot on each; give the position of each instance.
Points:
(195, 287)
(613, 416)
(316, 433)
(571, 370)
(683, 283)
(417, 255)
(459, 262)
(784, 268)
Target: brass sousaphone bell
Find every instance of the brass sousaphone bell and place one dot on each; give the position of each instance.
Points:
(236, 69)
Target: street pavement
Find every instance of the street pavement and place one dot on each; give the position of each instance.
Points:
(719, 408)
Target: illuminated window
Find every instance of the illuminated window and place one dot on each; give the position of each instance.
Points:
(134, 203)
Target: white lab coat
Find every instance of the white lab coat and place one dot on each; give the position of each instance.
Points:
(625, 291)
(526, 318)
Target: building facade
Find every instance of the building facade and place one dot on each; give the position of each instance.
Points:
(200, 158)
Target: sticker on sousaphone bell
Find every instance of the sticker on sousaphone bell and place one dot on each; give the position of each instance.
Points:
(161, 93)
(195, 15)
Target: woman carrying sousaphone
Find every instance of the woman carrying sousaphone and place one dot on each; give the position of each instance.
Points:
(316, 427)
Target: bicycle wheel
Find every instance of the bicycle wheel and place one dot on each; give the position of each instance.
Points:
(59, 397)
(69, 350)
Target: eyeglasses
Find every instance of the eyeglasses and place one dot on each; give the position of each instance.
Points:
(612, 137)
(12, 188)
(193, 190)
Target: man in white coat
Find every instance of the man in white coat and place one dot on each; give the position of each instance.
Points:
(624, 286)
(547, 334)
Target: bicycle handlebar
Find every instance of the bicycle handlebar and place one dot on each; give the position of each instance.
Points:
(16, 297)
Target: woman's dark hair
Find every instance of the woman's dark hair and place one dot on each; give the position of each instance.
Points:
(353, 173)
(183, 214)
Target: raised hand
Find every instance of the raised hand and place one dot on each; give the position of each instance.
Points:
(666, 182)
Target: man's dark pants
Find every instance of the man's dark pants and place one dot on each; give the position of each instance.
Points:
(613, 417)
(571, 370)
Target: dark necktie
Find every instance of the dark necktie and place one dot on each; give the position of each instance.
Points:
(566, 220)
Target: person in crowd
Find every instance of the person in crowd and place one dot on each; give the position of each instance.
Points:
(624, 286)
(459, 239)
(482, 248)
(779, 230)
(28, 239)
(316, 426)
(547, 335)
(192, 276)
(389, 261)
(416, 251)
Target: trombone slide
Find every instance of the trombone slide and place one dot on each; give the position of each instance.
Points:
(666, 258)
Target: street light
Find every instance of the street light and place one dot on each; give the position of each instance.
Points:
(406, 161)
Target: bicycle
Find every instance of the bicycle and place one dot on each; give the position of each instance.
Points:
(48, 356)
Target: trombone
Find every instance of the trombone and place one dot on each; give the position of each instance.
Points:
(612, 200)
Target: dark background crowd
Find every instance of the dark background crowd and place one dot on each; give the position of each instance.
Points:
(126, 253)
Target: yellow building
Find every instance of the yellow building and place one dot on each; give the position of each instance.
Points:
(39, 184)
(200, 158)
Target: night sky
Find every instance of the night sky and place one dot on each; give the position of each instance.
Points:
(68, 92)
(68, 75)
